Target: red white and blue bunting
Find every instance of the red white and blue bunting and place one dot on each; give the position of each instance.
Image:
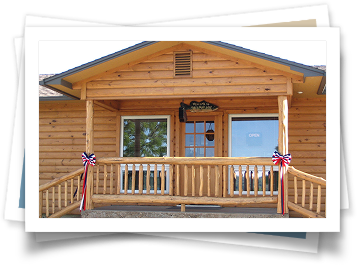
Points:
(283, 160)
(87, 160)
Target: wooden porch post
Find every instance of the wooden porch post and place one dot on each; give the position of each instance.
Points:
(283, 147)
(89, 151)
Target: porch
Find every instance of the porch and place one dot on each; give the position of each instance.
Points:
(237, 184)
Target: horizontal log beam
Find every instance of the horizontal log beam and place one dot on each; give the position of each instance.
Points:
(241, 80)
(66, 210)
(157, 199)
(196, 73)
(303, 211)
(172, 91)
(188, 96)
(266, 161)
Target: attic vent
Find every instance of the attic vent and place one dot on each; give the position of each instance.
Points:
(183, 64)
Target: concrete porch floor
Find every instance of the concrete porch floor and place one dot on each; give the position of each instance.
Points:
(192, 211)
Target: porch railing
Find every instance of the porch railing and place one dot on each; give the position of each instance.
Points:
(313, 207)
(113, 176)
(58, 196)
(186, 180)
(182, 180)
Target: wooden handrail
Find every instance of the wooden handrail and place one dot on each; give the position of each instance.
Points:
(264, 161)
(306, 176)
(59, 180)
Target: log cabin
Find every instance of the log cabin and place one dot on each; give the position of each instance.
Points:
(184, 123)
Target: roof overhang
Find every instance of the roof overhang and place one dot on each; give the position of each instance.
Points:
(308, 79)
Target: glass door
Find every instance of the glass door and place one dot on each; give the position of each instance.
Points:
(199, 138)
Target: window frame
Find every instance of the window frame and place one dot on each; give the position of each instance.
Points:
(121, 151)
(260, 168)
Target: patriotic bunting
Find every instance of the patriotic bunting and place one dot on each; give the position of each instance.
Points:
(284, 161)
(87, 160)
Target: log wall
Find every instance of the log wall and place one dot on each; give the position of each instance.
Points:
(62, 128)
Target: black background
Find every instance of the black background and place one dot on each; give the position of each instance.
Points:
(139, 248)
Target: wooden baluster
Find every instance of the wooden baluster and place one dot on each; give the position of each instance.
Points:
(178, 180)
(216, 192)
(133, 179)
(271, 181)
(232, 181)
(72, 190)
(78, 186)
(155, 179)
(209, 180)
(148, 180)
(256, 177)
(295, 190)
(59, 197)
(141, 179)
(311, 195)
(185, 188)
(171, 176)
(118, 180)
(264, 182)
(162, 179)
(303, 193)
(279, 206)
(201, 181)
(318, 209)
(248, 180)
(225, 181)
(65, 193)
(286, 190)
(105, 179)
(40, 202)
(126, 179)
(97, 181)
(53, 199)
(193, 175)
(240, 181)
(47, 205)
(111, 178)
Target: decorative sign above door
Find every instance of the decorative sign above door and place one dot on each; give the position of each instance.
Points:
(202, 106)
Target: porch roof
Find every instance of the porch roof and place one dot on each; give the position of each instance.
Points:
(308, 78)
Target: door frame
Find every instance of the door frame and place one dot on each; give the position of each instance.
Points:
(217, 117)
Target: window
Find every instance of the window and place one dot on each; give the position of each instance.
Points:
(145, 136)
(199, 139)
(183, 64)
(254, 135)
